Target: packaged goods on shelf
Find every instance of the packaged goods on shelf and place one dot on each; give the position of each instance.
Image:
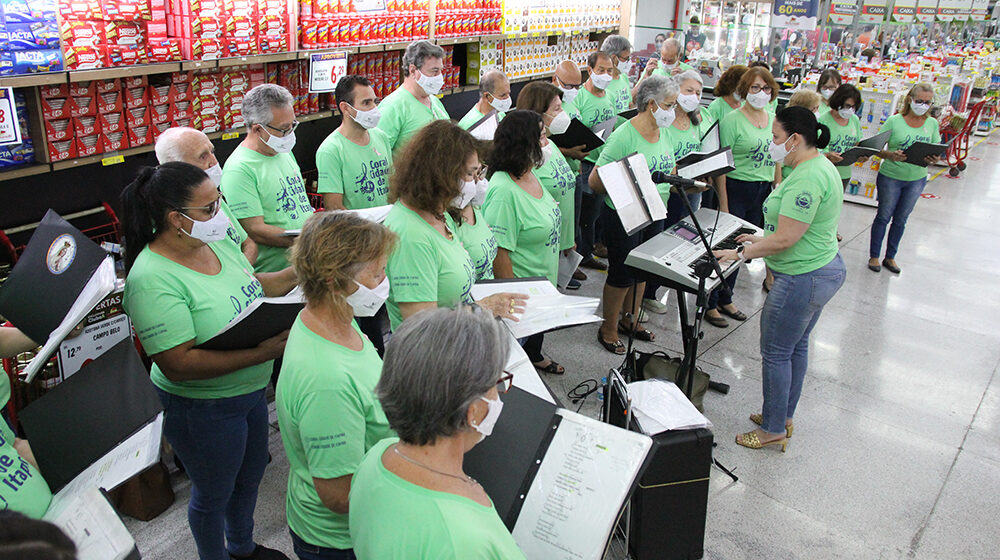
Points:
(463, 18)
(482, 57)
(382, 70)
(29, 37)
(532, 56)
(543, 16)
(12, 155)
(327, 24)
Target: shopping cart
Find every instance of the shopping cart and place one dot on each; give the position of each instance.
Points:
(958, 140)
(104, 227)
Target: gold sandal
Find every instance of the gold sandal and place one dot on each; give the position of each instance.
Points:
(751, 440)
(758, 418)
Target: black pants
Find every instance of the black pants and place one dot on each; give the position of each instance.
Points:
(374, 327)
(533, 347)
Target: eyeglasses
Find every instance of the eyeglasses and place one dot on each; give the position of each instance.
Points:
(505, 382)
(757, 89)
(668, 106)
(285, 131)
(915, 102)
(568, 86)
(212, 208)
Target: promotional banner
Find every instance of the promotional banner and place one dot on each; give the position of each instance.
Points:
(325, 70)
(10, 131)
(904, 11)
(947, 10)
(927, 10)
(963, 10)
(842, 11)
(873, 11)
(795, 14)
(980, 10)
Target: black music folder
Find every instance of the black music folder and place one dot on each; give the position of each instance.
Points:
(558, 479)
(579, 135)
(55, 267)
(629, 113)
(710, 146)
(84, 417)
(265, 318)
(630, 185)
(916, 153)
(867, 147)
(707, 165)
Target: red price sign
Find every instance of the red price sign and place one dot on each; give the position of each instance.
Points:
(10, 132)
(325, 70)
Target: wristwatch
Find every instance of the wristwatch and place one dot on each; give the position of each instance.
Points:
(739, 250)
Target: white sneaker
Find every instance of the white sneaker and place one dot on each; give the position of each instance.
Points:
(654, 306)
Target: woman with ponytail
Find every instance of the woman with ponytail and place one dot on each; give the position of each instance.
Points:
(325, 399)
(800, 246)
(183, 287)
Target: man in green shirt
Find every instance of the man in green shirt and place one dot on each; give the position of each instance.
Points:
(568, 78)
(494, 95)
(355, 159)
(669, 63)
(414, 104)
(261, 179)
(189, 145)
(619, 90)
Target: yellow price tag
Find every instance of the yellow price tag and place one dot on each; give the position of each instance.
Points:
(113, 160)
(230, 135)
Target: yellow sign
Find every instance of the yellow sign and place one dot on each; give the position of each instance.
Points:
(230, 135)
(113, 160)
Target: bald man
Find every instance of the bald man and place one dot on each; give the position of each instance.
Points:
(669, 63)
(494, 94)
(568, 79)
(188, 145)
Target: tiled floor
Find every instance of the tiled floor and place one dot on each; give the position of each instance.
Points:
(896, 452)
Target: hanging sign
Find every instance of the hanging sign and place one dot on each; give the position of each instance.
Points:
(368, 5)
(963, 10)
(325, 70)
(980, 10)
(873, 11)
(795, 14)
(947, 10)
(904, 11)
(926, 10)
(842, 12)
(10, 129)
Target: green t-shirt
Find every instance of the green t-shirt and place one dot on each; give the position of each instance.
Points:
(360, 173)
(749, 144)
(661, 71)
(842, 138)
(474, 116)
(479, 241)
(22, 488)
(170, 304)
(903, 136)
(626, 140)
(813, 194)
(403, 115)
(425, 266)
(591, 111)
(394, 519)
(718, 109)
(329, 419)
(772, 107)
(268, 186)
(527, 227)
(687, 141)
(620, 92)
(235, 231)
(559, 180)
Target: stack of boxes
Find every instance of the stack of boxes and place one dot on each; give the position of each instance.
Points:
(382, 70)
(464, 18)
(335, 23)
(29, 37)
(532, 56)
(482, 57)
(546, 16)
(450, 72)
(210, 29)
(294, 76)
(102, 33)
(19, 154)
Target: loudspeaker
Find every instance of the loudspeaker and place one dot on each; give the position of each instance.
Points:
(670, 504)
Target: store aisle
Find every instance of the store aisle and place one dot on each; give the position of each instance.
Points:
(896, 451)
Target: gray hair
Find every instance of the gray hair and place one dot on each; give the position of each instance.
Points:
(654, 88)
(672, 41)
(689, 75)
(169, 144)
(259, 102)
(418, 52)
(490, 80)
(615, 44)
(437, 364)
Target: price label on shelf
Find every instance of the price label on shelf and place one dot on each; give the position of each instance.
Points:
(111, 160)
(230, 135)
(325, 70)
(10, 132)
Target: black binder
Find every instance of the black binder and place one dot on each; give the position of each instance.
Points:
(916, 153)
(54, 268)
(84, 417)
(266, 320)
(578, 135)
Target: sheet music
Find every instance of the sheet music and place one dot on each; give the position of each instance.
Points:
(127, 459)
(636, 202)
(525, 375)
(101, 283)
(91, 523)
(710, 141)
(659, 405)
(584, 478)
(652, 198)
(710, 166)
(546, 308)
(486, 128)
(567, 266)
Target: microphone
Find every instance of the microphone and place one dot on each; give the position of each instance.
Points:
(677, 180)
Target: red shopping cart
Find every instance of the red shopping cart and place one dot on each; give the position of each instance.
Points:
(958, 140)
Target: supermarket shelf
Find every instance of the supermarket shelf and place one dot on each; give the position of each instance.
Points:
(122, 71)
(858, 199)
(258, 59)
(30, 80)
(315, 116)
(26, 171)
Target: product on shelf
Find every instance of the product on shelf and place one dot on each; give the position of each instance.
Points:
(482, 57)
(546, 16)
(381, 69)
(29, 37)
(464, 18)
(532, 56)
(19, 154)
(328, 23)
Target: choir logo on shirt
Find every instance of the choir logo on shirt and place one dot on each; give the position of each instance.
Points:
(235, 237)
(371, 181)
(249, 292)
(661, 162)
(488, 248)
(292, 199)
(469, 268)
(61, 254)
(565, 179)
(804, 201)
(909, 140)
(553, 241)
(759, 155)
(842, 144)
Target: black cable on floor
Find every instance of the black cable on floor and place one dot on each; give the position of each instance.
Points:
(583, 390)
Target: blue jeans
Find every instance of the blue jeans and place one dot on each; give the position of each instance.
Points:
(896, 200)
(223, 445)
(790, 312)
(590, 210)
(676, 211)
(306, 551)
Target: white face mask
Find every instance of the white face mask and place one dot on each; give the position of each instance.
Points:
(485, 428)
(779, 152)
(365, 301)
(826, 93)
(689, 102)
(482, 186)
(846, 113)
(215, 174)
(625, 66)
(569, 94)
(668, 67)
(664, 117)
(600, 81)
(759, 100)
(282, 145)
(559, 123)
(466, 196)
(918, 109)
(432, 84)
(546, 154)
(208, 231)
(367, 119)
(501, 105)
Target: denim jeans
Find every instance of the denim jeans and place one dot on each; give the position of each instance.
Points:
(676, 211)
(223, 445)
(790, 312)
(590, 210)
(306, 551)
(896, 200)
